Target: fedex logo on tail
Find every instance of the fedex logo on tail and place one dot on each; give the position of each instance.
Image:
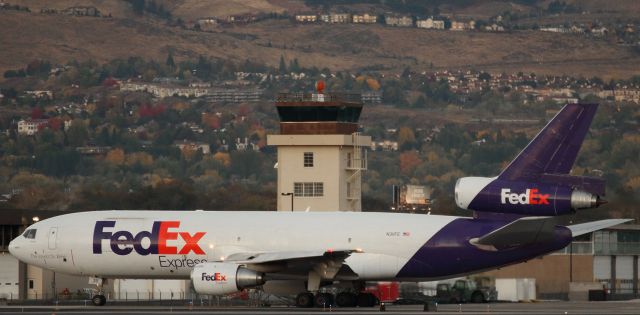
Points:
(160, 238)
(529, 197)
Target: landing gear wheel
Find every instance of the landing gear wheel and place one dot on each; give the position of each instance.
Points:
(99, 300)
(323, 299)
(366, 300)
(304, 299)
(346, 299)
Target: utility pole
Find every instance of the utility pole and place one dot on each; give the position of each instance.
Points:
(289, 194)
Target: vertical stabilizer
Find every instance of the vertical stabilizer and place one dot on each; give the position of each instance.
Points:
(555, 148)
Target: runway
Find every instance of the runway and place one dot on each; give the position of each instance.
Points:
(612, 307)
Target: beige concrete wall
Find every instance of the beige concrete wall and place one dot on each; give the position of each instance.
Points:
(326, 169)
(551, 272)
(330, 167)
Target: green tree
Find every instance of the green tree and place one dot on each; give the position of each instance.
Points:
(294, 66)
(77, 134)
(282, 68)
(170, 63)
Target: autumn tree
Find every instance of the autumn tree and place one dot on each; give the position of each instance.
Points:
(406, 138)
(409, 160)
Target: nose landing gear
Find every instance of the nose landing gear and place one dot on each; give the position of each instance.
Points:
(98, 299)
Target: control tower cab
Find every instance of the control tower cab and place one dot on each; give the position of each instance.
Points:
(321, 155)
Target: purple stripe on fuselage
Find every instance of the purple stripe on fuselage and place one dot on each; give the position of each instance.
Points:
(449, 252)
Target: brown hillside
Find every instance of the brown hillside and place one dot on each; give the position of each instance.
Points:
(116, 8)
(185, 9)
(191, 10)
(28, 36)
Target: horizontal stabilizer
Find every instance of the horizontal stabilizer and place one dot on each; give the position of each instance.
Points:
(520, 232)
(584, 228)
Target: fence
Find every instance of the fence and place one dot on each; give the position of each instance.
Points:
(245, 298)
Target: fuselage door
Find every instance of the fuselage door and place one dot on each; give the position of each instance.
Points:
(53, 235)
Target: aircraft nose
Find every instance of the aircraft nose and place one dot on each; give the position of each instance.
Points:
(13, 248)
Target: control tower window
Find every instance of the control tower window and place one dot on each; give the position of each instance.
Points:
(308, 159)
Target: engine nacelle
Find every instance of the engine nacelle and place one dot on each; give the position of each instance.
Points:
(524, 198)
(218, 278)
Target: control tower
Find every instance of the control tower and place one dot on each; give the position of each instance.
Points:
(321, 155)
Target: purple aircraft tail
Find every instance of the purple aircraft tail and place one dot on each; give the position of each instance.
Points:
(537, 182)
(549, 157)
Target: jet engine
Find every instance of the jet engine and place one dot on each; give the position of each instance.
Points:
(524, 198)
(218, 278)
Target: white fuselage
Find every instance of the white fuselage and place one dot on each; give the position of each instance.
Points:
(384, 242)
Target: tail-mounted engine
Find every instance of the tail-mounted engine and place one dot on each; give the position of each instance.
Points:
(524, 198)
(223, 278)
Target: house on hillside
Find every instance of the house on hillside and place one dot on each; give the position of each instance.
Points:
(306, 18)
(494, 28)
(239, 19)
(385, 145)
(462, 26)
(207, 23)
(40, 94)
(244, 145)
(364, 18)
(81, 11)
(30, 127)
(599, 31)
(396, 20)
(336, 18)
(425, 23)
(192, 146)
(48, 11)
(430, 23)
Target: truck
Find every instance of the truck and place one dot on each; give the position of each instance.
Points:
(464, 291)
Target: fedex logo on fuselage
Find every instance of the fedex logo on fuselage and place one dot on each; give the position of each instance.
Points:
(162, 232)
(529, 197)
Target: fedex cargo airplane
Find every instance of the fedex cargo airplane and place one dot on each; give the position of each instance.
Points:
(223, 252)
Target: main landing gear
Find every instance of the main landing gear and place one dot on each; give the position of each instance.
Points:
(98, 299)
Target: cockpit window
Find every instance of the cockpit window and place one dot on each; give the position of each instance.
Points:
(30, 233)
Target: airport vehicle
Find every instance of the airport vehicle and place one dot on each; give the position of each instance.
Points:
(464, 291)
(223, 252)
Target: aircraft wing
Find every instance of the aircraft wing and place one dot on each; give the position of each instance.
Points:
(268, 257)
(316, 264)
(584, 228)
(520, 232)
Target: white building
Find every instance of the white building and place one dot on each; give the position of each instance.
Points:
(193, 146)
(30, 127)
(306, 18)
(365, 18)
(430, 23)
